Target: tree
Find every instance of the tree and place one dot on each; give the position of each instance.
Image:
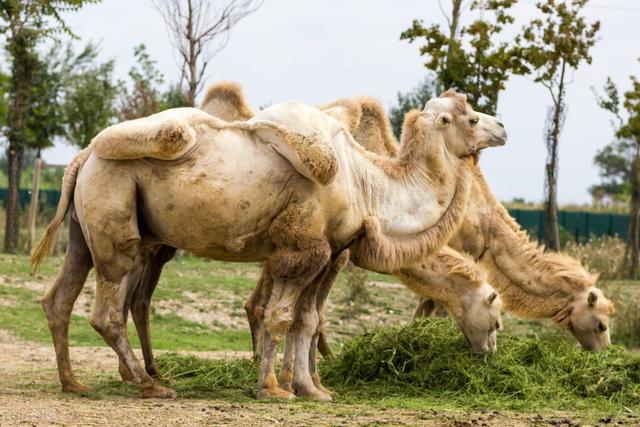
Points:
(620, 162)
(89, 97)
(552, 46)
(469, 59)
(200, 29)
(144, 97)
(24, 24)
(414, 99)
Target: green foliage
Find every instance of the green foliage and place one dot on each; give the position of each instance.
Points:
(89, 97)
(358, 291)
(473, 62)
(559, 40)
(414, 99)
(145, 96)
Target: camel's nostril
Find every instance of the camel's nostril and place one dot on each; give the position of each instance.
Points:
(500, 125)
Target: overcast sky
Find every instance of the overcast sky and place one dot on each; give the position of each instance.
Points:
(317, 51)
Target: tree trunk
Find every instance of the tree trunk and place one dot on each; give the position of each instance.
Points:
(21, 74)
(551, 231)
(193, 58)
(456, 7)
(630, 261)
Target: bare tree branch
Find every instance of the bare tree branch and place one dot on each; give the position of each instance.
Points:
(199, 30)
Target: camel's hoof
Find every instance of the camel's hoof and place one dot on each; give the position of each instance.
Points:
(275, 393)
(75, 387)
(162, 379)
(313, 393)
(158, 392)
(317, 395)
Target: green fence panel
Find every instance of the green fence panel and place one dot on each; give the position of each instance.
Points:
(581, 225)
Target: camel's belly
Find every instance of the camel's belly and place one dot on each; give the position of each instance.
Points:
(219, 205)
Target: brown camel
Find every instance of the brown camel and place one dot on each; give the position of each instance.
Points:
(310, 169)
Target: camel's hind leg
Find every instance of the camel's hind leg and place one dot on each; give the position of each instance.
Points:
(336, 267)
(254, 306)
(427, 308)
(58, 303)
(114, 278)
(141, 303)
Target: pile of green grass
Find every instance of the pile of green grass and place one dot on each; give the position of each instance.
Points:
(430, 359)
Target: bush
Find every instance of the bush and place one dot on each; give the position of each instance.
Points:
(600, 254)
(357, 292)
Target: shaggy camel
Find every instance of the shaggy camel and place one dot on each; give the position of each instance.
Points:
(477, 311)
(532, 283)
(473, 301)
(188, 176)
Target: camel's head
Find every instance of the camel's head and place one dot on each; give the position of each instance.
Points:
(589, 319)
(481, 318)
(465, 131)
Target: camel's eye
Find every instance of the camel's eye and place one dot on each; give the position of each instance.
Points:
(601, 327)
(474, 122)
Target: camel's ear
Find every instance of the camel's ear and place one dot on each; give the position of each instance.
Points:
(491, 298)
(444, 119)
(592, 298)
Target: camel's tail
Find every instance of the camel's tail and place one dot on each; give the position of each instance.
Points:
(68, 186)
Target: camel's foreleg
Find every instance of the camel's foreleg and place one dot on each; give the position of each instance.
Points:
(58, 303)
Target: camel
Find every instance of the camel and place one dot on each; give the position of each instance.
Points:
(532, 283)
(474, 302)
(187, 176)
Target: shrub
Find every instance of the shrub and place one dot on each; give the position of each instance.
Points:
(600, 254)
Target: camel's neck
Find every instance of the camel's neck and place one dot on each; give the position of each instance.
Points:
(418, 208)
(531, 282)
(412, 192)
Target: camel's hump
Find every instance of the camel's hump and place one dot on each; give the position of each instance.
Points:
(166, 136)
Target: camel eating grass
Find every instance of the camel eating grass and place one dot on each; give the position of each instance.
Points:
(289, 187)
(532, 283)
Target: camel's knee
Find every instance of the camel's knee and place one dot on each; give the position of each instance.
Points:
(278, 320)
(111, 328)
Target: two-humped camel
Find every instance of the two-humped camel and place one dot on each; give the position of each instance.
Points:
(531, 282)
(289, 186)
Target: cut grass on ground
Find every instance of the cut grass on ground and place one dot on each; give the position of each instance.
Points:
(427, 361)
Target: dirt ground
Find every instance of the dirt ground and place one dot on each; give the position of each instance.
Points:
(29, 396)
